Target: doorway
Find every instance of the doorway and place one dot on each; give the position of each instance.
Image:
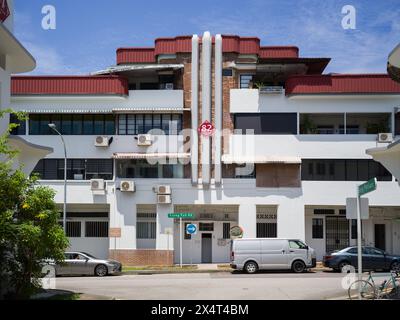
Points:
(206, 248)
(380, 236)
(337, 233)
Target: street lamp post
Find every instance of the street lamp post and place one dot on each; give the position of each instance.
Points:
(54, 128)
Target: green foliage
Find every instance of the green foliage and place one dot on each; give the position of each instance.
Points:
(29, 229)
(307, 126)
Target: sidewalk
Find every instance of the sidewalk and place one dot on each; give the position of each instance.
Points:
(195, 268)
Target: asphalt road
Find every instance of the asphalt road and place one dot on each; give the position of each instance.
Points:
(210, 286)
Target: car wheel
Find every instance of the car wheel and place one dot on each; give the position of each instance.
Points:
(395, 266)
(100, 270)
(344, 267)
(251, 267)
(298, 266)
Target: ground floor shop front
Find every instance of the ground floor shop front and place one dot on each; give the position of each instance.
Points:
(153, 238)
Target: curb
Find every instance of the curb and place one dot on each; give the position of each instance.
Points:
(150, 272)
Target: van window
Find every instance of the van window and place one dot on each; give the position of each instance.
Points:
(296, 244)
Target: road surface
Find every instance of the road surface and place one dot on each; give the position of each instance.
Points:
(210, 286)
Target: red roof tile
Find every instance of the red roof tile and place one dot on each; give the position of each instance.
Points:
(342, 84)
(69, 85)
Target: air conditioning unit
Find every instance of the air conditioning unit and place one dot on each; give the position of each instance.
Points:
(385, 137)
(163, 198)
(169, 86)
(101, 141)
(163, 189)
(271, 90)
(127, 186)
(97, 184)
(144, 140)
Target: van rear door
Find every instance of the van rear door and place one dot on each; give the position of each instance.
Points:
(273, 253)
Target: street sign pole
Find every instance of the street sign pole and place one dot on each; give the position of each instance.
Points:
(180, 246)
(359, 247)
(362, 189)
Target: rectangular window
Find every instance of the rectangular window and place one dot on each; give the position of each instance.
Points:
(72, 124)
(96, 229)
(318, 228)
(266, 123)
(99, 169)
(88, 124)
(21, 129)
(227, 72)
(266, 229)
(74, 229)
(246, 81)
(343, 170)
(226, 231)
(146, 230)
(77, 169)
(138, 168)
(206, 226)
(66, 124)
(134, 124)
(324, 211)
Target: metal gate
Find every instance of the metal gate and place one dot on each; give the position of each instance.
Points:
(337, 233)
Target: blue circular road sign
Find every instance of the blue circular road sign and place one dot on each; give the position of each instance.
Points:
(191, 228)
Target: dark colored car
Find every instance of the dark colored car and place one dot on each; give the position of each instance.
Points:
(372, 259)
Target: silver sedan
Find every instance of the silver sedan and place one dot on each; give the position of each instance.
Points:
(82, 263)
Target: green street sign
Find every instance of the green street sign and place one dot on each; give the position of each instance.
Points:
(180, 215)
(367, 187)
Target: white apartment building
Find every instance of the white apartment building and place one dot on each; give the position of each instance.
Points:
(301, 154)
(14, 59)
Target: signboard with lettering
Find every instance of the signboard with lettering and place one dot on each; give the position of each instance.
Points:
(367, 187)
(114, 233)
(180, 215)
(4, 10)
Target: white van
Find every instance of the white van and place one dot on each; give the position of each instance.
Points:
(251, 255)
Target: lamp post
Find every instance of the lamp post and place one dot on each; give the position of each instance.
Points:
(54, 128)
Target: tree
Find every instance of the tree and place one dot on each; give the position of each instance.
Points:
(29, 228)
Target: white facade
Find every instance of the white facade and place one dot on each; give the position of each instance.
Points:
(233, 201)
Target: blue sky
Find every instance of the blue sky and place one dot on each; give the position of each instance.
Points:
(88, 32)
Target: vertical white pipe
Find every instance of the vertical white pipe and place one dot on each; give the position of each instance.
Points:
(218, 108)
(194, 146)
(206, 104)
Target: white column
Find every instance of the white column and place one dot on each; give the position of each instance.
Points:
(194, 139)
(248, 220)
(123, 215)
(165, 227)
(206, 105)
(291, 219)
(218, 108)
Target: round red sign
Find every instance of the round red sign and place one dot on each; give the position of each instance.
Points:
(206, 129)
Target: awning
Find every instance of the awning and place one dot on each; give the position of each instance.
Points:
(149, 110)
(138, 67)
(19, 60)
(58, 110)
(228, 158)
(141, 155)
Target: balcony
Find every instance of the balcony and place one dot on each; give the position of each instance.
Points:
(265, 99)
(154, 99)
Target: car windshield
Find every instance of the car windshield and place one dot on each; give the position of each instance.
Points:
(297, 244)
